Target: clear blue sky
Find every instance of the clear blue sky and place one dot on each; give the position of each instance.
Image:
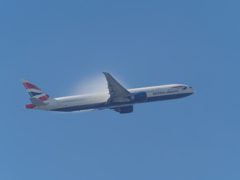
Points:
(63, 47)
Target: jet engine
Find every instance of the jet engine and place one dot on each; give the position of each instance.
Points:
(139, 97)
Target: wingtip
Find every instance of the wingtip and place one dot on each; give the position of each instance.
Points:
(105, 73)
(23, 109)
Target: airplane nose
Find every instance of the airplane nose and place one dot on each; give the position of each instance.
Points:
(192, 90)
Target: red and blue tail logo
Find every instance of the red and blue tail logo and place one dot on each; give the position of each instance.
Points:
(34, 91)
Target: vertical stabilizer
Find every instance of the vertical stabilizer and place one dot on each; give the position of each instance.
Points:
(34, 91)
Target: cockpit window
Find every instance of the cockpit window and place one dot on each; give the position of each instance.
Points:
(190, 87)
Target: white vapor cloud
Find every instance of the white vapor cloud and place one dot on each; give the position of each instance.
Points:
(91, 84)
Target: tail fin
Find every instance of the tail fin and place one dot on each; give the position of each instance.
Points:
(34, 91)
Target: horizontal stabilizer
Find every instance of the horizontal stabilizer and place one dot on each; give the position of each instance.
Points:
(37, 102)
(23, 109)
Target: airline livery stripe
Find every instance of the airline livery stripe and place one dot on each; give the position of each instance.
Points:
(30, 86)
(30, 106)
(178, 86)
(34, 90)
(34, 94)
(44, 98)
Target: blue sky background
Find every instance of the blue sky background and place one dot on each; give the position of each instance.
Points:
(63, 47)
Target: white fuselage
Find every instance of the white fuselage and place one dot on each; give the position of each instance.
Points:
(98, 101)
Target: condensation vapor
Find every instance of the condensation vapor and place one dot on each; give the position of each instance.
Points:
(90, 85)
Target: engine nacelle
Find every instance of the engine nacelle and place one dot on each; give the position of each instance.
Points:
(139, 97)
(124, 110)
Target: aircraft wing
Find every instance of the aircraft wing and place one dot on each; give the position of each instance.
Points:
(117, 92)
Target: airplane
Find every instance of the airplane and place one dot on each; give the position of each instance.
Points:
(119, 98)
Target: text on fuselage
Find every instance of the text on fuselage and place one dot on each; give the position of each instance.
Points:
(165, 92)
